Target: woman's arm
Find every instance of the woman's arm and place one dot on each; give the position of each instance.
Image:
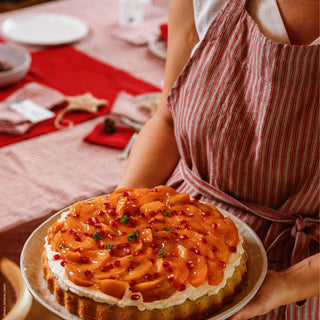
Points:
(299, 282)
(155, 154)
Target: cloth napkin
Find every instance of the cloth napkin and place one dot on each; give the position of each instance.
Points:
(126, 105)
(14, 123)
(72, 73)
(164, 32)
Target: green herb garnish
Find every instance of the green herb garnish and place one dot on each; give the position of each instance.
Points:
(169, 229)
(97, 236)
(132, 236)
(167, 213)
(124, 219)
(110, 246)
(161, 254)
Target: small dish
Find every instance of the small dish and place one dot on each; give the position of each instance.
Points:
(158, 47)
(18, 60)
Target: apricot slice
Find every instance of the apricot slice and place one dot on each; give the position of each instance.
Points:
(114, 288)
(139, 271)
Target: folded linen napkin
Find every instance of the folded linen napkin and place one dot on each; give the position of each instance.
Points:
(131, 108)
(38, 95)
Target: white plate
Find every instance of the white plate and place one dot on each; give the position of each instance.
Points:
(30, 264)
(158, 47)
(44, 29)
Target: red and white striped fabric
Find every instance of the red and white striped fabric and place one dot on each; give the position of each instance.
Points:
(246, 113)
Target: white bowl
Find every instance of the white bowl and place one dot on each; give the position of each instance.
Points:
(19, 59)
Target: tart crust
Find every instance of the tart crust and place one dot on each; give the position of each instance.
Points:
(89, 309)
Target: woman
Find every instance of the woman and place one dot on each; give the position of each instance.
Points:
(241, 131)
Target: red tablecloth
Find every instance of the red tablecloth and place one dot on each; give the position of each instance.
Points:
(73, 73)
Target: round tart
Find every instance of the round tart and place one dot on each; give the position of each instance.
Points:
(143, 253)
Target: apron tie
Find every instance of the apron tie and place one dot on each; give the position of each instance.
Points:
(300, 229)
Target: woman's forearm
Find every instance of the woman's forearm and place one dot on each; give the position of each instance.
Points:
(153, 157)
(303, 279)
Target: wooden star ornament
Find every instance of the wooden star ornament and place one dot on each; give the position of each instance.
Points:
(85, 102)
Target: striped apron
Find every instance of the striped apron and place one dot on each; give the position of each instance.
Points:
(246, 120)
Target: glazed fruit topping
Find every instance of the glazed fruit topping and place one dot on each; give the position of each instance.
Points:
(152, 242)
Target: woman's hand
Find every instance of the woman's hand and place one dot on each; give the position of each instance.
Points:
(268, 297)
(299, 282)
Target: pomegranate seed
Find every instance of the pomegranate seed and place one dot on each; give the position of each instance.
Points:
(112, 213)
(195, 250)
(88, 273)
(127, 251)
(170, 278)
(156, 275)
(101, 246)
(152, 213)
(195, 200)
(117, 263)
(190, 214)
(95, 220)
(132, 220)
(135, 297)
(138, 253)
(109, 266)
(85, 260)
(222, 264)
(132, 282)
(110, 235)
(155, 190)
(166, 264)
(125, 194)
(152, 260)
(156, 250)
(174, 212)
(213, 225)
(104, 269)
(181, 287)
(112, 223)
(147, 277)
(56, 256)
(90, 222)
(63, 263)
(113, 277)
(76, 215)
(101, 213)
(181, 213)
(188, 227)
(130, 267)
(97, 225)
(119, 246)
(205, 213)
(77, 237)
(107, 205)
(154, 220)
(203, 240)
(233, 249)
(170, 269)
(213, 249)
(78, 249)
(184, 221)
(102, 233)
(190, 265)
(71, 231)
(183, 236)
